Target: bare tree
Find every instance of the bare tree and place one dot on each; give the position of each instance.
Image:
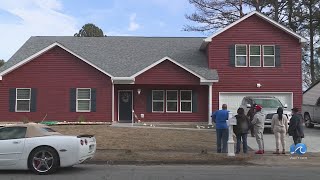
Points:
(214, 14)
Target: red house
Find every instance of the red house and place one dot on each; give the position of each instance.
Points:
(157, 78)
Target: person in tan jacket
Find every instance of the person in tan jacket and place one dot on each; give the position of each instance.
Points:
(258, 122)
(279, 126)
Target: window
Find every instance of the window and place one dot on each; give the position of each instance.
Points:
(185, 101)
(7, 133)
(268, 103)
(157, 100)
(268, 56)
(255, 56)
(172, 101)
(241, 55)
(83, 100)
(48, 130)
(23, 96)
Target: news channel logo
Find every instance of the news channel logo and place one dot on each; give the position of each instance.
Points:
(299, 149)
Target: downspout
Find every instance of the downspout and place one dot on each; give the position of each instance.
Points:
(210, 104)
(112, 102)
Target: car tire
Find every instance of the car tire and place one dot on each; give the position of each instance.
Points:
(43, 160)
(307, 122)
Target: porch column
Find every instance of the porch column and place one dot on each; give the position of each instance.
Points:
(210, 104)
(112, 99)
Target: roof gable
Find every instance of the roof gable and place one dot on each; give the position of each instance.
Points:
(30, 58)
(202, 79)
(262, 16)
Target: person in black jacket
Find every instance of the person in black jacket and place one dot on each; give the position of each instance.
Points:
(250, 115)
(295, 127)
(241, 130)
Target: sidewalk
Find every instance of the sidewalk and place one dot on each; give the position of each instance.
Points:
(311, 140)
(164, 126)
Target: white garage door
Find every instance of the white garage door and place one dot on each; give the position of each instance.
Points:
(233, 100)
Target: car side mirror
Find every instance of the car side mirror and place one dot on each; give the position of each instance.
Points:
(248, 105)
(286, 106)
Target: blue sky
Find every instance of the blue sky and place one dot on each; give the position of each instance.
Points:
(20, 19)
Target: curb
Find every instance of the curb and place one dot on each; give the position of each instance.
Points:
(214, 163)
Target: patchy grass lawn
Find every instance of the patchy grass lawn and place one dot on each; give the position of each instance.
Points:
(118, 144)
(144, 139)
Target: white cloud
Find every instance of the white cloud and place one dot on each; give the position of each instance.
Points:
(133, 25)
(36, 18)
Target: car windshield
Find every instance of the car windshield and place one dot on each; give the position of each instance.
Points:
(268, 103)
(48, 129)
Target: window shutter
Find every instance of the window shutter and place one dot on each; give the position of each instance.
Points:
(33, 104)
(73, 93)
(12, 99)
(277, 56)
(149, 101)
(232, 56)
(194, 101)
(93, 100)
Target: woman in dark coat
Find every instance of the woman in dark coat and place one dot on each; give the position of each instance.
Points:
(241, 130)
(250, 115)
(295, 127)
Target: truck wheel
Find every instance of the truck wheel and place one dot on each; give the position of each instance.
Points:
(308, 123)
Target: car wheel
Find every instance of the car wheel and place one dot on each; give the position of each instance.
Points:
(308, 123)
(43, 160)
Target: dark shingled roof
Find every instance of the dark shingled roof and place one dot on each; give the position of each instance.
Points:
(124, 56)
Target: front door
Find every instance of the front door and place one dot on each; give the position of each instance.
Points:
(125, 105)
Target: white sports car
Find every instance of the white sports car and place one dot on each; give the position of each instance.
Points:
(41, 149)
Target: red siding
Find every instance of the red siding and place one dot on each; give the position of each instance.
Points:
(140, 107)
(53, 74)
(167, 73)
(254, 30)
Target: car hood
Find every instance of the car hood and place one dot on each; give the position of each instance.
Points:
(273, 111)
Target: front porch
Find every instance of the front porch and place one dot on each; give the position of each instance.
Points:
(162, 103)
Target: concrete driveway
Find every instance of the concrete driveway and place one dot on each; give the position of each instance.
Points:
(312, 137)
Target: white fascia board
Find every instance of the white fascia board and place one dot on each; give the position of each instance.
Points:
(123, 78)
(207, 82)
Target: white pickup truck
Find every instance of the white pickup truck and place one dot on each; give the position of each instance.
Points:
(311, 114)
(269, 107)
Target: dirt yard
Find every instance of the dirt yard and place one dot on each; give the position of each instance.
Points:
(144, 139)
(118, 144)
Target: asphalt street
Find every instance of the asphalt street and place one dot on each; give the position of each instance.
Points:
(170, 172)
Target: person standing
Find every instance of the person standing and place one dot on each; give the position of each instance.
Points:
(250, 114)
(258, 123)
(241, 130)
(295, 127)
(279, 126)
(220, 117)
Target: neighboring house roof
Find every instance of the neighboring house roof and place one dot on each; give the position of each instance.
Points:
(122, 56)
(262, 16)
(311, 86)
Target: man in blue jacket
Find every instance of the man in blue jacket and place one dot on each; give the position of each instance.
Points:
(220, 117)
